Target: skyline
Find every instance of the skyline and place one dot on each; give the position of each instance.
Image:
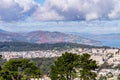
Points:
(83, 16)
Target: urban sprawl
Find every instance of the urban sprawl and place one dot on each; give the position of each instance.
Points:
(101, 55)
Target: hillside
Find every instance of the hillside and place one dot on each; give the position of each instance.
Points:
(23, 46)
(44, 37)
(56, 37)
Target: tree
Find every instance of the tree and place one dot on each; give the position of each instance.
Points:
(64, 68)
(87, 66)
(4, 75)
(16, 69)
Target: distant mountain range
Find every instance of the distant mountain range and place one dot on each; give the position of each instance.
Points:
(112, 39)
(98, 37)
(44, 37)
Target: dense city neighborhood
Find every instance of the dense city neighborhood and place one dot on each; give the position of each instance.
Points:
(111, 56)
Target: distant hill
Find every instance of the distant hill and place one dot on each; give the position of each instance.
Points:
(112, 39)
(44, 37)
(56, 37)
(23, 46)
(99, 37)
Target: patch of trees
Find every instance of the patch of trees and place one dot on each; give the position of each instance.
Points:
(69, 66)
(18, 46)
(23, 46)
(44, 64)
(19, 69)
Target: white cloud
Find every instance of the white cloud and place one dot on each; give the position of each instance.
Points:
(13, 10)
(91, 16)
(45, 14)
(115, 13)
(78, 10)
(6, 3)
(26, 4)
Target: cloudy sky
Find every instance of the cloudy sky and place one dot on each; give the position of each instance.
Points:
(84, 16)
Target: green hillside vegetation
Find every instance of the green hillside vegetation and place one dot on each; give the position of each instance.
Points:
(23, 46)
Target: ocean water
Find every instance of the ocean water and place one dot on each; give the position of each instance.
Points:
(111, 43)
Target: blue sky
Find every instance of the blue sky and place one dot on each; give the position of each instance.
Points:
(40, 1)
(83, 16)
